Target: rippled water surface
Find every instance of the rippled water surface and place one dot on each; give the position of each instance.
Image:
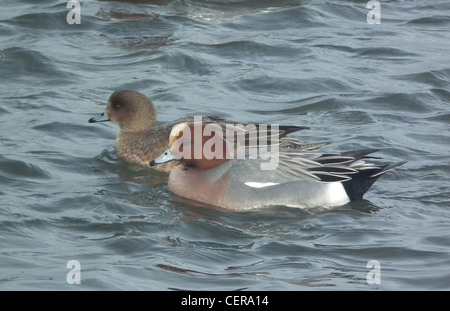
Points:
(64, 194)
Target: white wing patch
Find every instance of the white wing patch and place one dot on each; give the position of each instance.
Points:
(260, 184)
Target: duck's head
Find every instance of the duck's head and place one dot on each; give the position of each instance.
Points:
(196, 145)
(129, 109)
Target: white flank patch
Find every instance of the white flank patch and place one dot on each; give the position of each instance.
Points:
(260, 184)
(335, 194)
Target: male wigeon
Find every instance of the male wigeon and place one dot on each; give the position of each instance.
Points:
(140, 140)
(301, 179)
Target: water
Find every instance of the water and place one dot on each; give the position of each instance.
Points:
(66, 196)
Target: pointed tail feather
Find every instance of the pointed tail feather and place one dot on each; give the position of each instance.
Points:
(387, 168)
(364, 179)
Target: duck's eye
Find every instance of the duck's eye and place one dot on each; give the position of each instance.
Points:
(117, 106)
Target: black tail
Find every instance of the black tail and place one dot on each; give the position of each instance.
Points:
(364, 179)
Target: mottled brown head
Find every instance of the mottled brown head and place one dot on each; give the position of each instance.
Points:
(131, 110)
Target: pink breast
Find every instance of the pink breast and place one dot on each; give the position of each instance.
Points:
(194, 185)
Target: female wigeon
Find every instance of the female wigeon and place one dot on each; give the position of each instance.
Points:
(140, 141)
(301, 179)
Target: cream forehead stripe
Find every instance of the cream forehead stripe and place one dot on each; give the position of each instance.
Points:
(177, 130)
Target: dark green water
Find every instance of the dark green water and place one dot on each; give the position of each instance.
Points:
(64, 195)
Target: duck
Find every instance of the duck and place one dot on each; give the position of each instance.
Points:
(301, 179)
(140, 140)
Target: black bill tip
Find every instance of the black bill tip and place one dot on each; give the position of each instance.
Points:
(100, 118)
